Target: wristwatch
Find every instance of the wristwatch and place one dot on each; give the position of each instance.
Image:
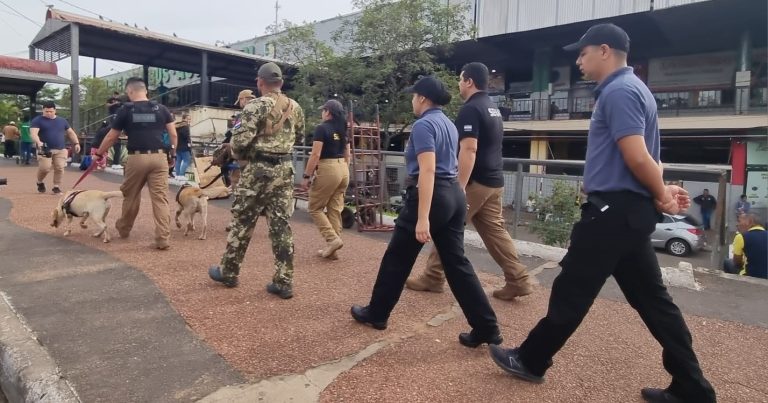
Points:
(307, 176)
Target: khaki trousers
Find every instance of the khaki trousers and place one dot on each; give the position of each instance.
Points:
(152, 170)
(326, 196)
(485, 213)
(58, 161)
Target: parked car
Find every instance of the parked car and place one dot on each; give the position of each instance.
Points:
(679, 235)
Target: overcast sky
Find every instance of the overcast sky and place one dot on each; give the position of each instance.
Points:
(207, 22)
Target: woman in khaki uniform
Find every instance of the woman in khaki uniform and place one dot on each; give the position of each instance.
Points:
(330, 156)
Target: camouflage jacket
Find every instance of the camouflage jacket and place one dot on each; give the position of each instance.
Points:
(252, 136)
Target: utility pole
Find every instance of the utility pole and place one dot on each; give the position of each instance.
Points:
(277, 8)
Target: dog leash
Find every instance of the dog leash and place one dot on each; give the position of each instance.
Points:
(87, 172)
(215, 178)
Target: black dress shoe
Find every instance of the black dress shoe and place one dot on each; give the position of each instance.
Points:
(509, 360)
(472, 340)
(362, 315)
(655, 395)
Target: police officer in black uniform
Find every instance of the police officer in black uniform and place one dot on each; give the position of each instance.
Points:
(143, 121)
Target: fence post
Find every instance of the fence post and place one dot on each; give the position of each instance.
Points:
(720, 248)
(518, 198)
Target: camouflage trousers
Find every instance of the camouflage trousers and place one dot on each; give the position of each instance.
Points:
(264, 189)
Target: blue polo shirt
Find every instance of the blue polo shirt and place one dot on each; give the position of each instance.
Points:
(756, 251)
(624, 106)
(434, 132)
(52, 132)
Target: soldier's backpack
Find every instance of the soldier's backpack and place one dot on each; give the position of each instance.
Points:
(280, 112)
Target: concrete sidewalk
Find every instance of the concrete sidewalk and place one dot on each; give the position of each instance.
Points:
(98, 316)
(124, 322)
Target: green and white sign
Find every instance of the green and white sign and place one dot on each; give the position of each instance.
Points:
(757, 173)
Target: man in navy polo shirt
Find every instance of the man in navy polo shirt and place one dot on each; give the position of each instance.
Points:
(49, 132)
(623, 181)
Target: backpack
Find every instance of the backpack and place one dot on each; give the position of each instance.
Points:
(86, 162)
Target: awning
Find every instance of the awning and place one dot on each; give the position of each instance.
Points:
(666, 124)
(26, 77)
(106, 39)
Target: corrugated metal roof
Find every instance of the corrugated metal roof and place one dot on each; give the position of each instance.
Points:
(498, 17)
(54, 14)
(103, 39)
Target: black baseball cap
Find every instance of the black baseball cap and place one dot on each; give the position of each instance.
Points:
(602, 34)
(431, 88)
(333, 106)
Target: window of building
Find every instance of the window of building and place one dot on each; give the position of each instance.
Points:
(759, 96)
(672, 100)
(709, 98)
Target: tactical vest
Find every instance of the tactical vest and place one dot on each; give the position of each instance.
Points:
(145, 127)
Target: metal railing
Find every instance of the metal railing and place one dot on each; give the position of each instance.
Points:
(681, 103)
(535, 180)
(221, 95)
(548, 109)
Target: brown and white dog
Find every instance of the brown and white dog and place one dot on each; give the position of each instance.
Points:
(84, 204)
(192, 200)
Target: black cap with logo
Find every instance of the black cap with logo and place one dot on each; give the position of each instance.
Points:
(602, 34)
(333, 107)
(431, 88)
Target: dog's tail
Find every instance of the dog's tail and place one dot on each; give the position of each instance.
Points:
(109, 195)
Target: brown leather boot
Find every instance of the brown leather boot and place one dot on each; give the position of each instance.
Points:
(510, 291)
(424, 283)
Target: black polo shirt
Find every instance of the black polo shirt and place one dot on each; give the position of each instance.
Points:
(333, 140)
(480, 118)
(143, 122)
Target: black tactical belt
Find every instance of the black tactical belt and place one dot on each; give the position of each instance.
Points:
(273, 159)
(414, 180)
(146, 151)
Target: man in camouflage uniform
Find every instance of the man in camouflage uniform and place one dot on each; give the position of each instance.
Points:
(269, 127)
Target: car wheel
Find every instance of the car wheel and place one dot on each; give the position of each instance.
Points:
(678, 247)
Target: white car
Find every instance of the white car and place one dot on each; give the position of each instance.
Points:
(679, 235)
